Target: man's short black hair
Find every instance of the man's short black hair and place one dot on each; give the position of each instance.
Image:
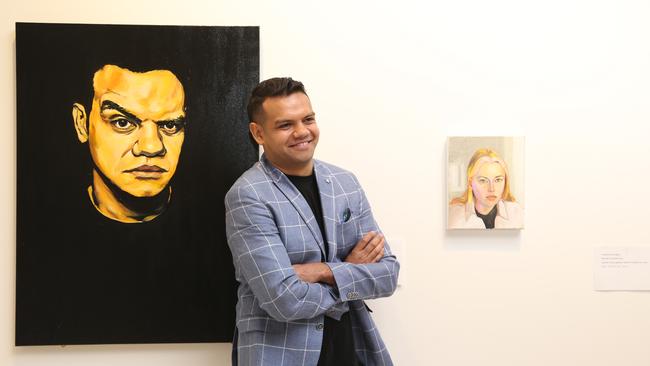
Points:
(274, 87)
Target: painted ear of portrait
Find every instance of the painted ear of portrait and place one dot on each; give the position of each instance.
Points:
(125, 154)
(483, 174)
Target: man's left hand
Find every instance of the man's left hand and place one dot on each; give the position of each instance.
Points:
(314, 272)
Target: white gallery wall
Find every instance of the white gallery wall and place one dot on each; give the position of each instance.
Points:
(389, 82)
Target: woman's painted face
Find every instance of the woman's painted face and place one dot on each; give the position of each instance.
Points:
(488, 184)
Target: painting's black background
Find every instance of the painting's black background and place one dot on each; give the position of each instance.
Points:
(85, 279)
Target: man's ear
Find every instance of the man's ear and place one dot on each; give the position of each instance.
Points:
(256, 132)
(80, 119)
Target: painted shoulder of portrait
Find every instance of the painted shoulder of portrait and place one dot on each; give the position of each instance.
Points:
(515, 216)
(457, 218)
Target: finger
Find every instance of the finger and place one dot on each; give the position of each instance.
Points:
(378, 249)
(298, 270)
(380, 253)
(372, 244)
(361, 245)
(371, 247)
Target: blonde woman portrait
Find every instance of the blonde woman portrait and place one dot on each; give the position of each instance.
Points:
(487, 202)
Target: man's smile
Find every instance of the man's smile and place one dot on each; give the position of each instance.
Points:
(301, 145)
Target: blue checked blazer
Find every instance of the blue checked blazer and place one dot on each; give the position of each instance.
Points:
(270, 226)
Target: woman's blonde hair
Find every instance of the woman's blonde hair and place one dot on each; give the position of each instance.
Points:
(480, 157)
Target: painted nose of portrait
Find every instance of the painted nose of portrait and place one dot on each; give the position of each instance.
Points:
(149, 141)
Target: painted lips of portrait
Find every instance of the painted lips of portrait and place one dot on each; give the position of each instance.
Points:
(147, 172)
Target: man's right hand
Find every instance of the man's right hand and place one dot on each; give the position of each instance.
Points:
(369, 249)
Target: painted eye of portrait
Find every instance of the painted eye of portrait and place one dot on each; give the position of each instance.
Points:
(135, 132)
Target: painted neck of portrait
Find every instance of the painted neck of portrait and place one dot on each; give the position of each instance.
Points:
(135, 133)
(118, 205)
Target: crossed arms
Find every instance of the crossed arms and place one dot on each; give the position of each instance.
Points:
(303, 291)
(370, 249)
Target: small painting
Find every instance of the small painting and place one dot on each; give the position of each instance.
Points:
(485, 177)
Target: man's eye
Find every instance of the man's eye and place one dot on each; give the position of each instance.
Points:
(499, 180)
(123, 125)
(284, 126)
(170, 127)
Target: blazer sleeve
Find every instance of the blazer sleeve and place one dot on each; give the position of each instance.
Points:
(366, 281)
(261, 261)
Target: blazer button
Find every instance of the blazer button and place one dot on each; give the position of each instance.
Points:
(320, 326)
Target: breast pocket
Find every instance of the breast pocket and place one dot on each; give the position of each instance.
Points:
(347, 230)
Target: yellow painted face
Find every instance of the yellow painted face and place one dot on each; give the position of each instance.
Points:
(136, 128)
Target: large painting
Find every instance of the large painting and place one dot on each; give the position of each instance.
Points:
(128, 139)
(485, 182)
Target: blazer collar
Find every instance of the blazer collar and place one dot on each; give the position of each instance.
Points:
(325, 181)
(270, 169)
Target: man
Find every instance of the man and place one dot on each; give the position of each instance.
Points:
(306, 248)
(135, 133)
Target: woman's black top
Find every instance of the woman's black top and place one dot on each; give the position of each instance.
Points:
(488, 219)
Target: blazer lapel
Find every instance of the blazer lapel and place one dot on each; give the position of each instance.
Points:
(297, 200)
(326, 189)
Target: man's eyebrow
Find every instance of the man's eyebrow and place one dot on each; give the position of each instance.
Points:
(107, 104)
(178, 121)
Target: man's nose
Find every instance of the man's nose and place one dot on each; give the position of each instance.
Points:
(149, 141)
(491, 186)
(300, 131)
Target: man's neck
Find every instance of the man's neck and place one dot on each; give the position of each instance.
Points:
(299, 171)
(122, 207)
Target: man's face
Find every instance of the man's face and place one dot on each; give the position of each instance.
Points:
(136, 128)
(288, 132)
(488, 184)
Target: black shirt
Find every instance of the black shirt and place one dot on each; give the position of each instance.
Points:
(309, 189)
(488, 219)
(338, 344)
